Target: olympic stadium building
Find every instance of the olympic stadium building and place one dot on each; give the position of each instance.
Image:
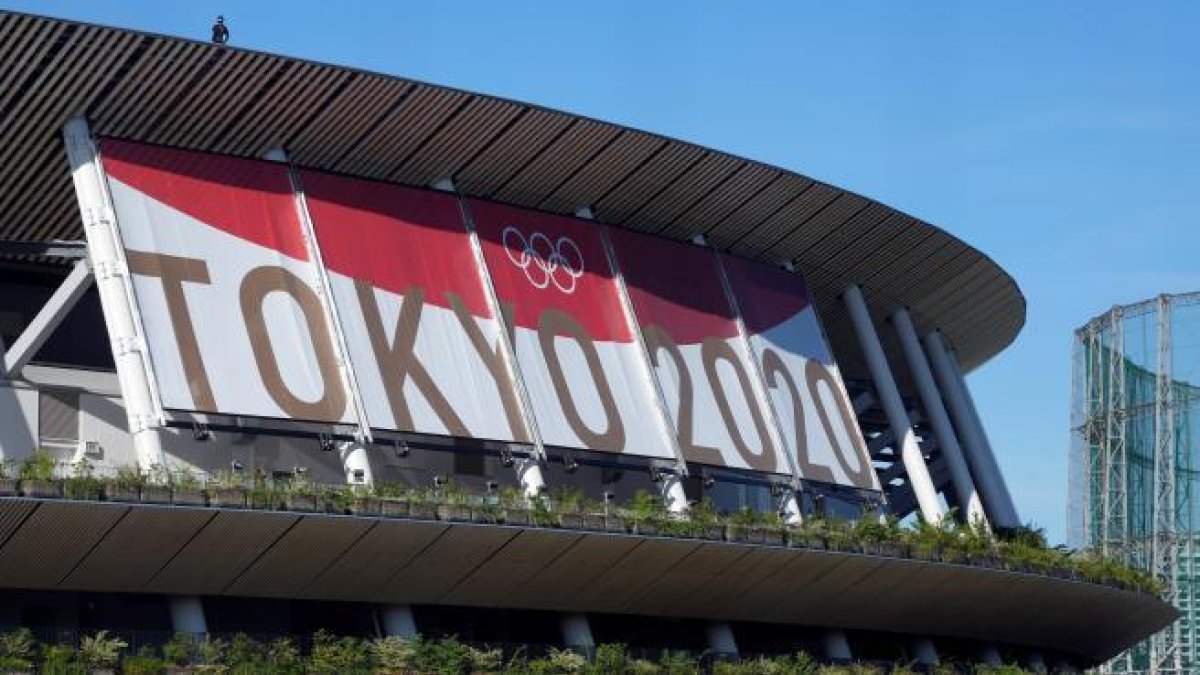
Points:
(226, 270)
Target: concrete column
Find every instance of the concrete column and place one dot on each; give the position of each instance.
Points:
(931, 399)
(836, 646)
(893, 406)
(1035, 662)
(989, 480)
(529, 475)
(577, 631)
(356, 463)
(789, 508)
(187, 615)
(924, 652)
(112, 277)
(719, 635)
(398, 621)
(674, 497)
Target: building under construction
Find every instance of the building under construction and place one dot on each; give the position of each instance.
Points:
(1136, 394)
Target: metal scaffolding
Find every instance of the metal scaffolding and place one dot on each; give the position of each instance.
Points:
(1132, 460)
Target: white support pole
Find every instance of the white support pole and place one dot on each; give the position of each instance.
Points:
(935, 411)
(356, 464)
(187, 615)
(576, 631)
(529, 469)
(789, 507)
(989, 480)
(1035, 662)
(836, 646)
(893, 407)
(107, 257)
(719, 636)
(48, 319)
(673, 494)
(398, 621)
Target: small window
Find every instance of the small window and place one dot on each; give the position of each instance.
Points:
(58, 418)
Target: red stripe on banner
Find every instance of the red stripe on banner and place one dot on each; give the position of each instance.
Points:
(540, 262)
(394, 238)
(766, 295)
(674, 286)
(250, 199)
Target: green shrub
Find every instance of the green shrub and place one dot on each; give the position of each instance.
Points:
(101, 651)
(610, 658)
(38, 466)
(145, 662)
(62, 660)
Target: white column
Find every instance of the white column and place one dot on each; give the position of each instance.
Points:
(989, 480)
(187, 615)
(529, 475)
(674, 497)
(924, 652)
(576, 631)
(719, 635)
(398, 621)
(836, 646)
(1035, 662)
(935, 411)
(47, 320)
(112, 277)
(789, 507)
(893, 406)
(356, 463)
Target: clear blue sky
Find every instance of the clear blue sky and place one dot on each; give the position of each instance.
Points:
(1060, 138)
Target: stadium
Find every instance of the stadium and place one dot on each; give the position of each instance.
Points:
(290, 346)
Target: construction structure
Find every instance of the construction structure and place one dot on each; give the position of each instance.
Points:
(1135, 393)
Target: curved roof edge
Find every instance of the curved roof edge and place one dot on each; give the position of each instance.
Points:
(201, 96)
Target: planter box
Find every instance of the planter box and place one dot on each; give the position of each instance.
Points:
(594, 521)
(517, 516)
(615, 525)
(8, 487)
(713, 532)
(301, 503)
(486, 514)
(422, 511)
(394, 508)
(41, 489)
(188, 497)
(156, 494)
(366, 506)
(115, 493)
(227, 498)
(808, 541)
(573, 521)
(644, 528)
(454, 512)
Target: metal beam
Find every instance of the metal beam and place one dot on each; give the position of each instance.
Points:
(48, 319)
(45, 249)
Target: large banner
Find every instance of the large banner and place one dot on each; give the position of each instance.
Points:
(701, 362)
(577, 353)
(226, 290)
(425, 346)
(803, 382)
(230, 275)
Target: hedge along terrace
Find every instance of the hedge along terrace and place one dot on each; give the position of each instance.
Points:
(1020, 550)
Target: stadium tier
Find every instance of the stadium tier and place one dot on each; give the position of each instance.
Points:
(290, 346)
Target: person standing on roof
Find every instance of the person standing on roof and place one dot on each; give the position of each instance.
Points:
(220, 32)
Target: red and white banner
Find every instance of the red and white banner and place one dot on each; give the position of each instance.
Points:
(237, 322)
(227, 293)
(425, 346)
(577, 353)
(701, 362)
(806, 390)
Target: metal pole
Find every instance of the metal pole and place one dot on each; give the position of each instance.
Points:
(107, 256)
(964, 485)
(893, 407)
(990, 482)
(529, 469)
(674, 496)
(356, 465)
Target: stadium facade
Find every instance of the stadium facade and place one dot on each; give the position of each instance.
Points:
(234, 265)
(1134, 455)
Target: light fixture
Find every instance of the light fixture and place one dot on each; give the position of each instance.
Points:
(201, 432)
(327, 443)
(237, 465)
(506, 457)
(401, 449)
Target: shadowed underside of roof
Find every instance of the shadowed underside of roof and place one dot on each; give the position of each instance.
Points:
(205, 97)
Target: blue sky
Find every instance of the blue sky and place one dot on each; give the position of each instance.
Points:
(1059, 138)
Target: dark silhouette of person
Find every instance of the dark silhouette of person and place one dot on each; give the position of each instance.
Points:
(220, 32)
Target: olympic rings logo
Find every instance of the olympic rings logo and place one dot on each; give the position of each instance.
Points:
(545, 261)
